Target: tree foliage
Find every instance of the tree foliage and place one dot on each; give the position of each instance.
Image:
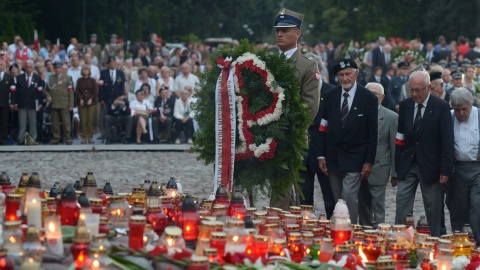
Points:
(324, 20)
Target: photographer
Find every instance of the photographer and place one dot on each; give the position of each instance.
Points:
(118, 114)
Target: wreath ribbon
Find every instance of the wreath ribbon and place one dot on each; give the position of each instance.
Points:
(225, 125)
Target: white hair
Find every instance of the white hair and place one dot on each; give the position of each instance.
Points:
(374, 84)
(460, 96)
(424, 74)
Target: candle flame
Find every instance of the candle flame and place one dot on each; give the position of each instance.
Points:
(145, 239)
(82, 216)
(188, 228)
(364, 258)
(119, 212)
(30, 260)
(235, 238)
(431, 256)
(170, 242)
(95, 264)
(51, 227)
(444, 267)
(12, 239)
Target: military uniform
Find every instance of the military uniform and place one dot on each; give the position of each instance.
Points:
(308, 77)
(60, 89)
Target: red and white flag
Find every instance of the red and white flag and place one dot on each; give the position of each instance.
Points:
(36, 41)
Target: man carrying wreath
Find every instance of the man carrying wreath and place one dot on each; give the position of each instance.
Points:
(287, 26)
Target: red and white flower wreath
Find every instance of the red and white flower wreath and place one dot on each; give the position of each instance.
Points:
(248, 149)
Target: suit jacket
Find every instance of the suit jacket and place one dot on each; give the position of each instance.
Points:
(6, 95)
(308, 77)
(381, 61)
(311, 161)
(385, 158)
(167, 109)
(109, 91)
(26, 95)
(118, 111)
(376, 53)
(433, 147)
(393, 91)
(347, 148)
(61, 91)
(472, 55)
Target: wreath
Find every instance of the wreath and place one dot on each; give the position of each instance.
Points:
(271, 119)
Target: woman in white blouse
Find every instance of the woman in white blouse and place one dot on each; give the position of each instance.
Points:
(143, 78)
(165, 79)
(141, 110)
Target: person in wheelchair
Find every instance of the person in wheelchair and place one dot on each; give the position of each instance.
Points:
(141, 109)
(162, 119)
(118, 117)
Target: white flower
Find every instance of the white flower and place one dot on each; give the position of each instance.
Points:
(460, 262)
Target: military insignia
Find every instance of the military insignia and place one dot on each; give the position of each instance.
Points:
(342, 64)
(317, 76)
(282, 12)
(119, 80)
(355, 108)
(36, 85)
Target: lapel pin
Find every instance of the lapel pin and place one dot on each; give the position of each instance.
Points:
(355, 108)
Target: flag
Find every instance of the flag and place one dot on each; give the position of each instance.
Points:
(36, 41)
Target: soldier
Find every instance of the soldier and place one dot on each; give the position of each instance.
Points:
(59, 92)
(287, 26)
(96, 48)
(111, 49)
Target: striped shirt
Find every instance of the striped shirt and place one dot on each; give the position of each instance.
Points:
(466, 137)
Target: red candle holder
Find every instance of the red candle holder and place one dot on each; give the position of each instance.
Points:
(340, 236)
(399, 255)
(103, 228)
(199, 263)
(260, 246)
(102, 196)
(295, 246)
(137, 228)
(371, 247)
(96, 205)
(80, 246)
(156, 218)
(168, 208)
(5, 262)
(68, 209)
(12, 207)
(218, 241)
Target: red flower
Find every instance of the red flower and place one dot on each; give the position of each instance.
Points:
(182, 254)
(472, 265)
(158, 251)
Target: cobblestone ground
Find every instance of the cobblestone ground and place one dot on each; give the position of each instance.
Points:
(127, 169)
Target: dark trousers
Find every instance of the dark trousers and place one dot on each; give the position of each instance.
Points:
(158, 127)
(187, 128)
(464, 197)
(4, 124)
(308, 189)
(124, 120)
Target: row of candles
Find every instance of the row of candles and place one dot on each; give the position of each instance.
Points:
(295, 234)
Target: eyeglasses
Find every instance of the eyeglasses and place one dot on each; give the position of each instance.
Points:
(413, 90)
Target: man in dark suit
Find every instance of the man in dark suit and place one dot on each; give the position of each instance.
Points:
(385, 59)
(163, 117)
(395, 87)
(28, 100)
(112, 85)
(424, 152)
(378, 51)
(311, 162)
(287, 26)
(348, 135)
(118, 115)
(7, 100)
(372, 191)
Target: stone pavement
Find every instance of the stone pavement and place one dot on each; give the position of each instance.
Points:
(127, 169)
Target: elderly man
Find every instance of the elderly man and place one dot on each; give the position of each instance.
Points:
(436, 86)
(464, 188)
(28, 101)
(348, 135)
(372, 191)
(424, 153)
(185, 78)
(59, 92)
(7, 100)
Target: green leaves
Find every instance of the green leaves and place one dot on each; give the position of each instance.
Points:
(124, 264)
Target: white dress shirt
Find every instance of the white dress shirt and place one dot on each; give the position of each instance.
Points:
(466, 137)
(351, 94)
(290, 52)
(425, 102)
(145, 105)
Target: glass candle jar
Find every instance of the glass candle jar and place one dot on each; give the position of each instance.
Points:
(100, 242)
(137, 228)
(371, 247)
(68, 209)
(218, 240)
(273, 231)
(168, 208)
(198, 263)
(260, 246)
(295, 246)
(461, 245)
(80, 245)
(399, 255)
(212, 255)
(118, 212)
(307, 241)
(12, 238)
(279, 247)
(326, 250)
(157, 218)
(307, 212)
(219, 211)
(295, 210)
(5, 262)
(96, 205)
(172, 238)
(237, 237)
(206, 228)
(138, 195)
(445, 258)
(426, 252)
(33, 249)
(103, 228)
(444, 244)
(290, 228)
(202, 244)
(12, 207)
(53, 233)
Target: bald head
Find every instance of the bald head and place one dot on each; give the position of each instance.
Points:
(376, 89)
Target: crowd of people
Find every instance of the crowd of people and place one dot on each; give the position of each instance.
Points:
(140, 94)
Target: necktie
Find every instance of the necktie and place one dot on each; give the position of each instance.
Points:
(344, 110)
(28, 80)
(418, 120)
(111, 76)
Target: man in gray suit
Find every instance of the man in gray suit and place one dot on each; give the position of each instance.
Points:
(371, 199)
